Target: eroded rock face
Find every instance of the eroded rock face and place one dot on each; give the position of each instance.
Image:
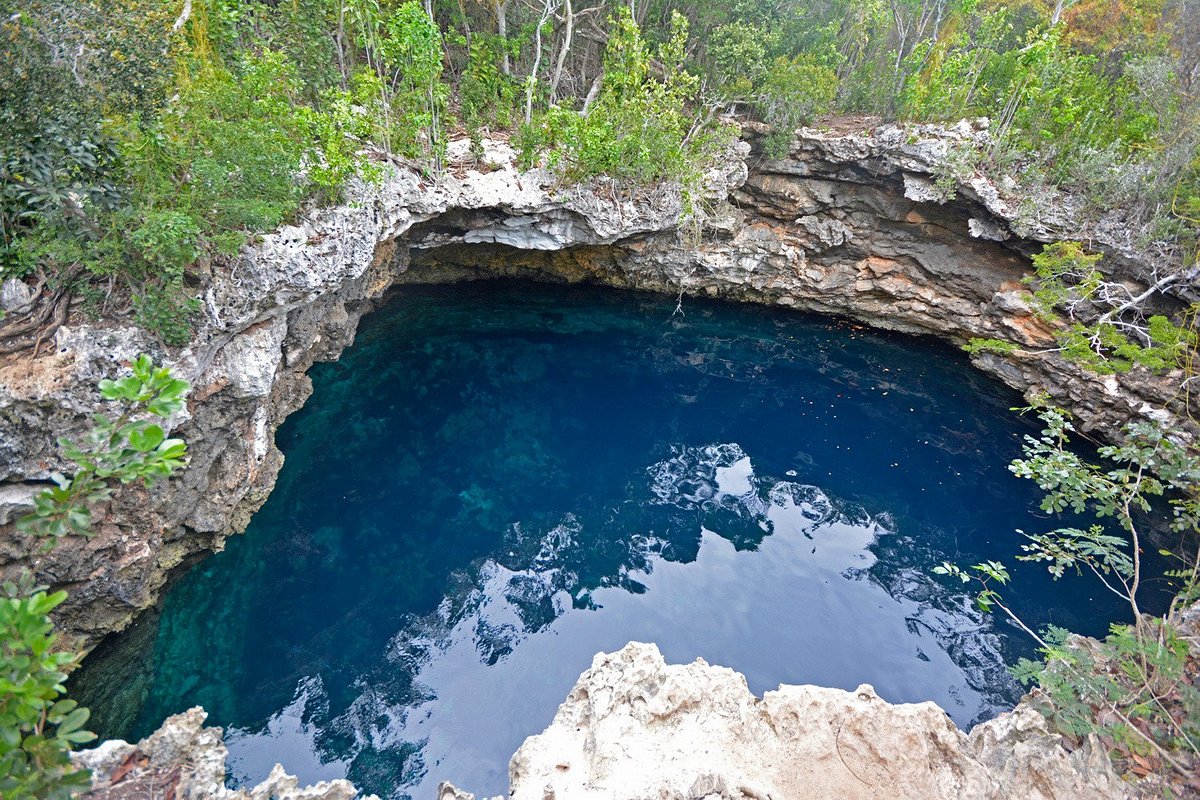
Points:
(851, 224)
(185, 760)
(856, 225)
(635, 727)
(291, 300)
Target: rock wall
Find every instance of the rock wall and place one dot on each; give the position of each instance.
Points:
(851, 224)
(291, 300)
(855, 226)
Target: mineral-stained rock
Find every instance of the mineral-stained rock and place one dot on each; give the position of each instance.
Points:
(635, 727)
(186, 760)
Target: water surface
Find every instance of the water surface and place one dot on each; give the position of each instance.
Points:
(499, 480)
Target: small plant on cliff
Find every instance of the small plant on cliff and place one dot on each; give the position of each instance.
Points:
(1103, 325)
(38, 726)
(1109, 329)
(1134, 689)
(131, 448)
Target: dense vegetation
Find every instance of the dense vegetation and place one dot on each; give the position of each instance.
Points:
(143, 141)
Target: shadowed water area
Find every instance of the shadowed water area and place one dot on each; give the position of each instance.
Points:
(499, 480)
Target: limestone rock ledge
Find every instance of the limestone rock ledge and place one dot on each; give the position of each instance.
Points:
(185, 760)
(850, 223)
(636, 728)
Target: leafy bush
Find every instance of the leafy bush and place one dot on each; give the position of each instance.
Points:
(37, 725)
(412, 50)
(487, 96)
(37, 728)
(641, 128)
(1107, 332)
(997, 346)
(168, 240)
(166, 309)
(130, 449)
(795, 91)
(738, 51)
(1132, 689)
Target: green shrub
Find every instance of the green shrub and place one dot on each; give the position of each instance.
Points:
(1133, 688)
(997, 346)
(37, 727)
(166, 310)
(738, 51)
(168, 241)
(1102, 333)
(641, 128)
(488, 97)
(794, 93)
(131, 449)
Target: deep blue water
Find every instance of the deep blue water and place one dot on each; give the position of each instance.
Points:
(499, 480)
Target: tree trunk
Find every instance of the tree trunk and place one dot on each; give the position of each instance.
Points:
(502, 30)
(593, 93)
(531, 81)
(568, 35)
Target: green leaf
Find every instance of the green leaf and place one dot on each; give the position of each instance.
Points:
(146, 439)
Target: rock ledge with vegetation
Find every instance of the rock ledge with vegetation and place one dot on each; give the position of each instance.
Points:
(834, 228)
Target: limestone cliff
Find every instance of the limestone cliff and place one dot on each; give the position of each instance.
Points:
(634, 726)
(856, 224)
(848, 224)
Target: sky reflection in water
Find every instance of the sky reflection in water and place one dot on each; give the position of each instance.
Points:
(500, 480)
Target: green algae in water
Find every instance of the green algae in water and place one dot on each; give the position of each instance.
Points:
(499, 480)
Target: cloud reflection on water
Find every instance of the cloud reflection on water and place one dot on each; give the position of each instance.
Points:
(509, 639)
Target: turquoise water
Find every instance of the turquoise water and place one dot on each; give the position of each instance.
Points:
(499, 480)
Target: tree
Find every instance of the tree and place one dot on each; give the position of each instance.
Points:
(1132, 688)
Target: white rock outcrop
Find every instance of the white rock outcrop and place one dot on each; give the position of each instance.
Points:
(185, 760)
(636, 727)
